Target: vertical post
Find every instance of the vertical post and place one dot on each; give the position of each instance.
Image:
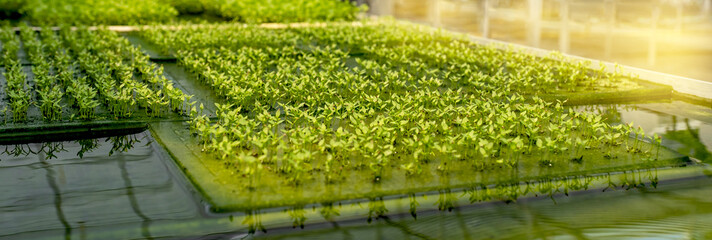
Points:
(534, 26)
(652, 44)
(382, 7)
(389, 5)
(485, 19)
(679, 20)
(707, 7)
(434, 12)
(610, 6)
(564, 41)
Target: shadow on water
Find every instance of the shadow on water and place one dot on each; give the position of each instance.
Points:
(134, 203)
(123, 144)
(57, 194)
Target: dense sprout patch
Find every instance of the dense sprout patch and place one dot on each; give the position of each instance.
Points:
(82, 75)
(96, 12)
(385, 100)
(259, 11)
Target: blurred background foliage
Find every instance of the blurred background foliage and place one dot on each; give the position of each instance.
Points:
(122, 12)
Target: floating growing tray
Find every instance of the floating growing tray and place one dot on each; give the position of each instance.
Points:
(227, 191)
(62, 131)
(68, 123)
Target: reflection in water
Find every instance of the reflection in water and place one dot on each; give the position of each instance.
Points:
(684, 128)
(87, 145)
(680, 131)
(49, 150)
(413, 205)
(376, 209)
(298, 216)
(253, 221)
(124, 143)
(638, 210)
(689, 140)
(328, 212)
(382, 209)
(89, 185)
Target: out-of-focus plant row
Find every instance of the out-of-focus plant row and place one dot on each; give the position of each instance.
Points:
(123, 12)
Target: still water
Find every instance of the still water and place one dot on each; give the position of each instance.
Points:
(71, 188)
(127, 187)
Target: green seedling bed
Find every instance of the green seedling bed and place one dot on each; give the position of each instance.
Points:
(80, 81)
(610, 88)
(322, 114)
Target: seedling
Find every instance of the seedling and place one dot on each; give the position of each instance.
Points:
(377, 101)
